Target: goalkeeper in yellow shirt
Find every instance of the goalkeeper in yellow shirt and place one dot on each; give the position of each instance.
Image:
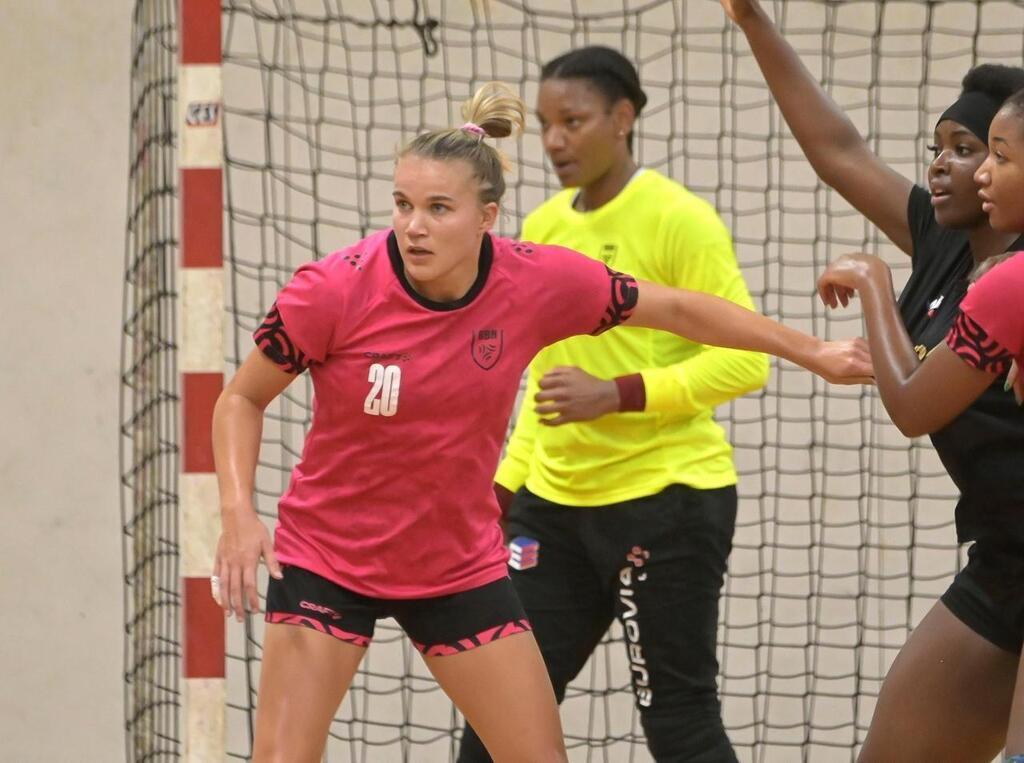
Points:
(624, 485)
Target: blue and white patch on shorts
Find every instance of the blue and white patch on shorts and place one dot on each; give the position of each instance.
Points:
(524, 553)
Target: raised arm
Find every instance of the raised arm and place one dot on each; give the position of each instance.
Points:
(715, 321)
(836, 151)
(237, 431)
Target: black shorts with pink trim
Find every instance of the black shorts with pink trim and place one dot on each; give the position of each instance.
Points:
(437, 626)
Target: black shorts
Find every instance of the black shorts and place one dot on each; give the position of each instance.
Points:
(988, 593)
(437, 626)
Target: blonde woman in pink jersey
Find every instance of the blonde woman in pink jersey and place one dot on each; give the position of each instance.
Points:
(416, 338)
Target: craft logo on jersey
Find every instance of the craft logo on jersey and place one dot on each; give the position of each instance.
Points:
(202, 113)
(486, 347)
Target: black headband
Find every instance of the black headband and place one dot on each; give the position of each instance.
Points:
(975, 111)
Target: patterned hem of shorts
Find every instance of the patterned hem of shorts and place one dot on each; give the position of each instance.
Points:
(480, 639)
(285, 618)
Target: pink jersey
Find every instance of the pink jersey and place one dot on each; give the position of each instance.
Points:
(393, 496)
(989, 332)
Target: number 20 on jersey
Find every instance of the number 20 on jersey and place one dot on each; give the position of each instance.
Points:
(382, 399)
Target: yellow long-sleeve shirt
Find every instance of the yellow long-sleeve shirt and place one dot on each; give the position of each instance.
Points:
(658, 231)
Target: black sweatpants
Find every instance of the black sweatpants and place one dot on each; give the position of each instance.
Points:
(657, 564)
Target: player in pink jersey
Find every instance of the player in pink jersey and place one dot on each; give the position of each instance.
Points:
(416, 339)
(956, 689)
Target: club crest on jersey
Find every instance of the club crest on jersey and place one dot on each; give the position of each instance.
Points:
(485, 347)
(608, 253)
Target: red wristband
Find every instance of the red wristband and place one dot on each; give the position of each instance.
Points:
(632, 392)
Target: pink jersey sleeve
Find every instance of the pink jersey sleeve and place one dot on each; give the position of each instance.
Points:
(299, 329)
(586, 296)
(989, 331)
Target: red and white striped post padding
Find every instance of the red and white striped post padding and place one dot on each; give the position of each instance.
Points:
(201, 356)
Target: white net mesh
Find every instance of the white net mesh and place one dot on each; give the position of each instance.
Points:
(844, 536)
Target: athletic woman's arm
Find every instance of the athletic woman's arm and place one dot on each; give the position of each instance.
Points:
(237, 431)
(921, 397)
(836, 151)
(712, 320)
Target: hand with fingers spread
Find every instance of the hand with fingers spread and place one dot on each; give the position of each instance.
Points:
(243, 541)
(569, 393)
(849, 274)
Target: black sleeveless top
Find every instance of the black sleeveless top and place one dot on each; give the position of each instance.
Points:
(983, 447)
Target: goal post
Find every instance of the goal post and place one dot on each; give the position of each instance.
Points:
(263, 135)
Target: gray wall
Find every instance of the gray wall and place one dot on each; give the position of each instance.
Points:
(63, 162)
